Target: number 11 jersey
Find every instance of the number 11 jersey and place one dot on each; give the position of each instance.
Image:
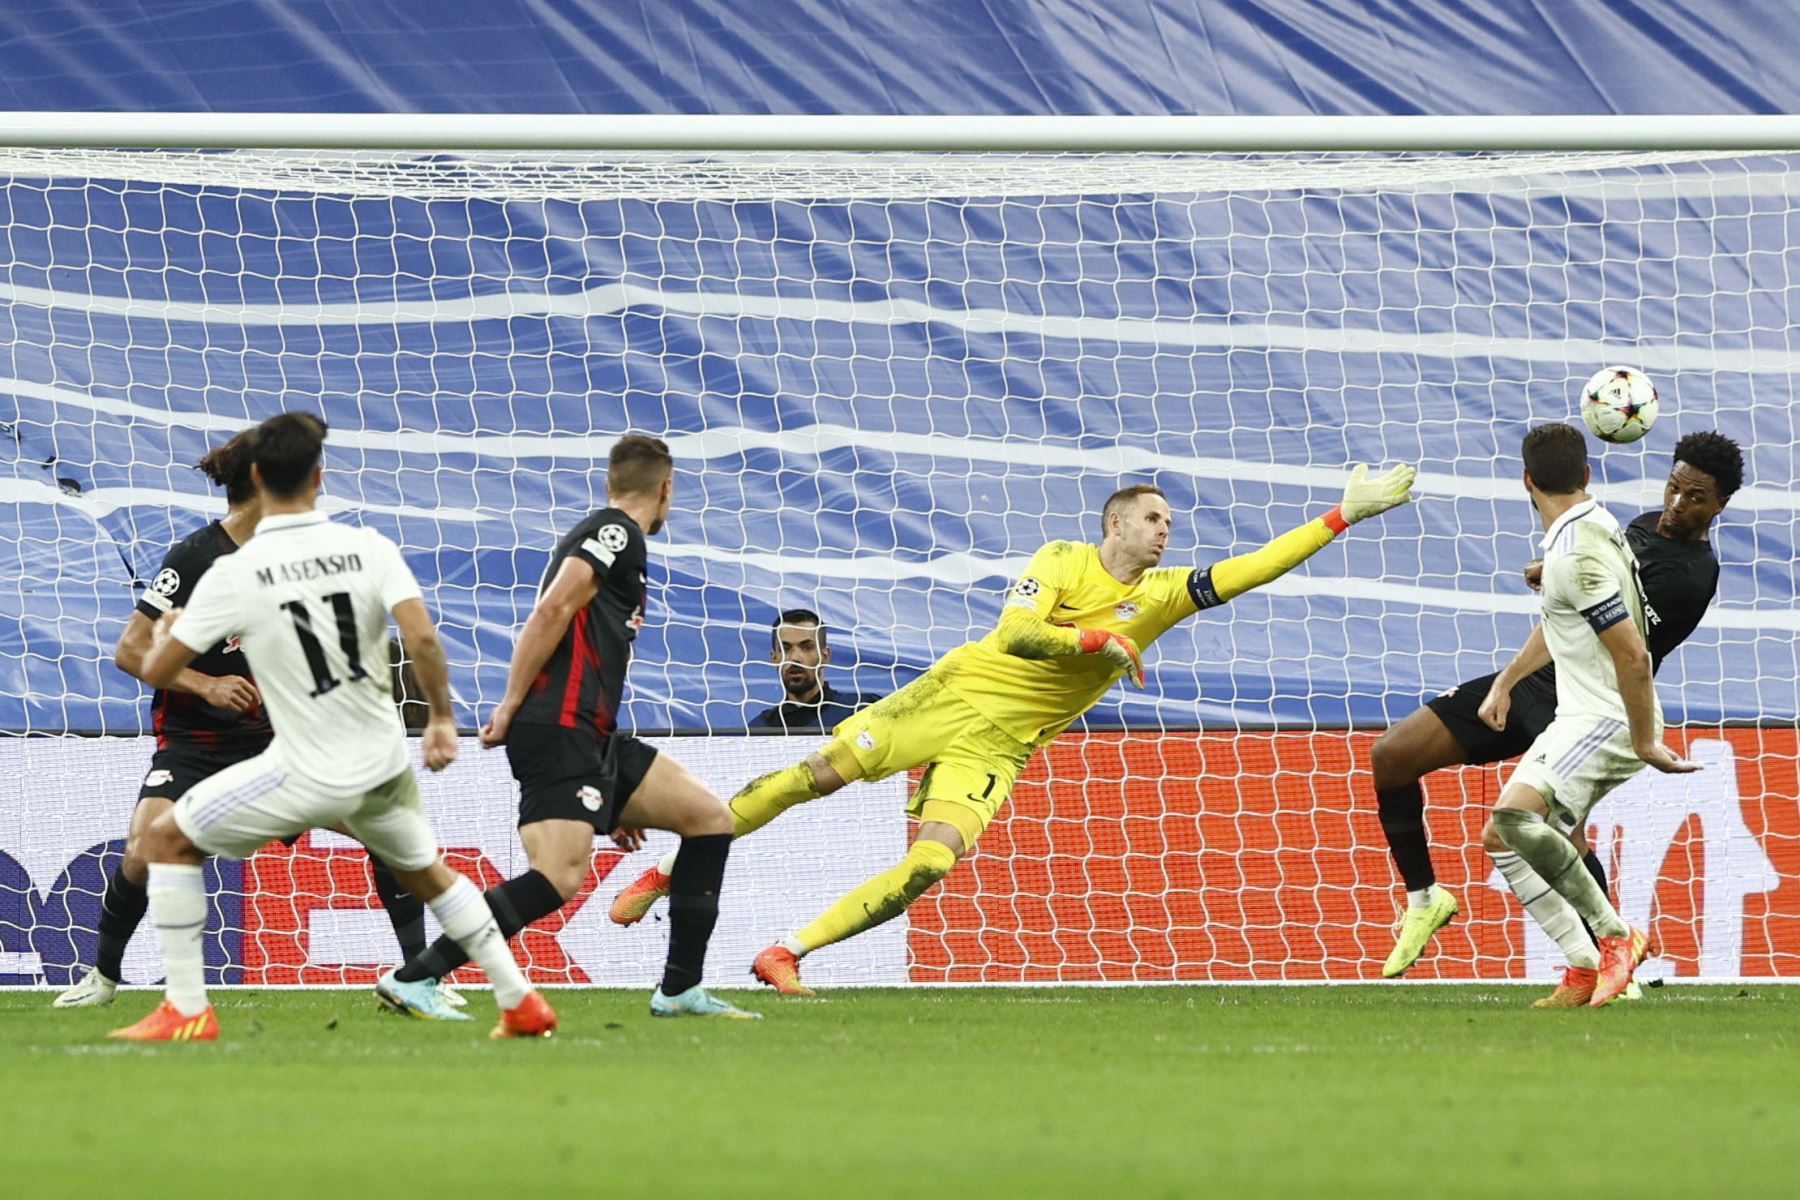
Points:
(309, 600)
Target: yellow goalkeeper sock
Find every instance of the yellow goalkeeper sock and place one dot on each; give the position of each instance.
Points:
(768, 796)
(880, 899)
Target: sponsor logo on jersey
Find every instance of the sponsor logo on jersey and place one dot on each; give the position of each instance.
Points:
(1125, 610)
(590, 797)
(167, 582)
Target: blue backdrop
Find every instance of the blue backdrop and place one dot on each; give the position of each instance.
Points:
(881, 409)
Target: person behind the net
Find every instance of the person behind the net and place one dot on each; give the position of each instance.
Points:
(800, 646)
(207, 718)
(1608, 724)
(578, 774)
(309, 600)
(1680, 576)
(1073, 624)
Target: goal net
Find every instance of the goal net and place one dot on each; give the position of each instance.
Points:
(887, 378)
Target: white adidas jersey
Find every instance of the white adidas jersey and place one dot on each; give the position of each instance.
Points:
(1590, 584)
(308, 600)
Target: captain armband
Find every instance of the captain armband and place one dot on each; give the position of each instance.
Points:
(1201, 590)
(1607, 613)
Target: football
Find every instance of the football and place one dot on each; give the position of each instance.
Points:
(1618, 404)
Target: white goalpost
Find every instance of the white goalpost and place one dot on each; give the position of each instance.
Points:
(892, 357)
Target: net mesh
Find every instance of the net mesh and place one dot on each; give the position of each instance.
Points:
(887, 378)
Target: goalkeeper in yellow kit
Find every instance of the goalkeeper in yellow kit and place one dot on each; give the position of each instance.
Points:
(1071, 626)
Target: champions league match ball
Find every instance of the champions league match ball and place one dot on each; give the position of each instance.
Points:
(1618, 404)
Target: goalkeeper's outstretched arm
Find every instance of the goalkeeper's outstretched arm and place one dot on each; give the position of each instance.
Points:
(1363, 498)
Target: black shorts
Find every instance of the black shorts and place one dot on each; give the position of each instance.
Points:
(569, 775)
(1533, 708)
(173, 771)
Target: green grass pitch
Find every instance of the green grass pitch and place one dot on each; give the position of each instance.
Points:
(1142, 1092)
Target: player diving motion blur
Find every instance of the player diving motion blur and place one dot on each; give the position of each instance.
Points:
(1680, 577)
(1070, 628)
(309, 601)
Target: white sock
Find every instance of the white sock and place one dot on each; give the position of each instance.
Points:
(1554, 915)
(793, 946)
(178, 906)
(667, 865)
(1423, 897)
(468, 922)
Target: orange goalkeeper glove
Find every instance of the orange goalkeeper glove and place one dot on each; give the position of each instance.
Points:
(1116, 649)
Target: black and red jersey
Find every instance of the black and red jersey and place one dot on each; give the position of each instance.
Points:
(583, 683)
(181, 720)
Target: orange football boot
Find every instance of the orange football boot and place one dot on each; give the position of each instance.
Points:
(778, 968)
(1619, 957)
(630, 905)
(532, 1018)
(166, 1024)
(1574, 991)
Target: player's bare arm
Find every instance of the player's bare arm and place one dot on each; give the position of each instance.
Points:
(168, 656)
(233, 693)
(1631, 659)
(573, 588)
(432, 671)
(1533, 656)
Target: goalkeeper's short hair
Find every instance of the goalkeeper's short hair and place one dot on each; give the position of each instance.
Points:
(1121, 498)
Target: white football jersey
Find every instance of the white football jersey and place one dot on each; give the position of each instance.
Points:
(308, 600)
(1590, 584)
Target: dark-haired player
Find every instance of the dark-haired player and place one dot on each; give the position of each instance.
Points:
(1679, 576)
(1070, 628)
(310, 600)
(209, 718)
(578, 775)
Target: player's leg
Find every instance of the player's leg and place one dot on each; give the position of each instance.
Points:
(227, 813)
(659, 793)
(871, 744)
(1421, 743)
(558, 849)
(1567, 771)
(405, 911)
(125, 900)
(961, 793)
(391, 822)
(759, 802)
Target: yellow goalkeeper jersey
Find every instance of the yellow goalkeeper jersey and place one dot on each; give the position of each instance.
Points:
(1034, 699)
(1032, 686)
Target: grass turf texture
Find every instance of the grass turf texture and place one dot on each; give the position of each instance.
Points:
(1366, 1091)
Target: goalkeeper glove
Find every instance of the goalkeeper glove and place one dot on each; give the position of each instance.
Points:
(1365, 497)
(1116, 649)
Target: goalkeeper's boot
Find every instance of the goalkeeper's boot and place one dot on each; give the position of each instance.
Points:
(1619, 957)
(166, 1024)
(532, 1017)
(780, 969)
(422, 998)
(90, 991)
(697, 1002)
(630, 906)
(1415, 929)
(1574, 991)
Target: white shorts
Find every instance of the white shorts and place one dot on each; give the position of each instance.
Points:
(242, 808)
(1576, 762)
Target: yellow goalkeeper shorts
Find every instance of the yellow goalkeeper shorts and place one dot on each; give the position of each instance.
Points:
(969, 762)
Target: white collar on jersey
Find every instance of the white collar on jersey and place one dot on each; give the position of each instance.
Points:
(1557, 526)
(291, 521)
